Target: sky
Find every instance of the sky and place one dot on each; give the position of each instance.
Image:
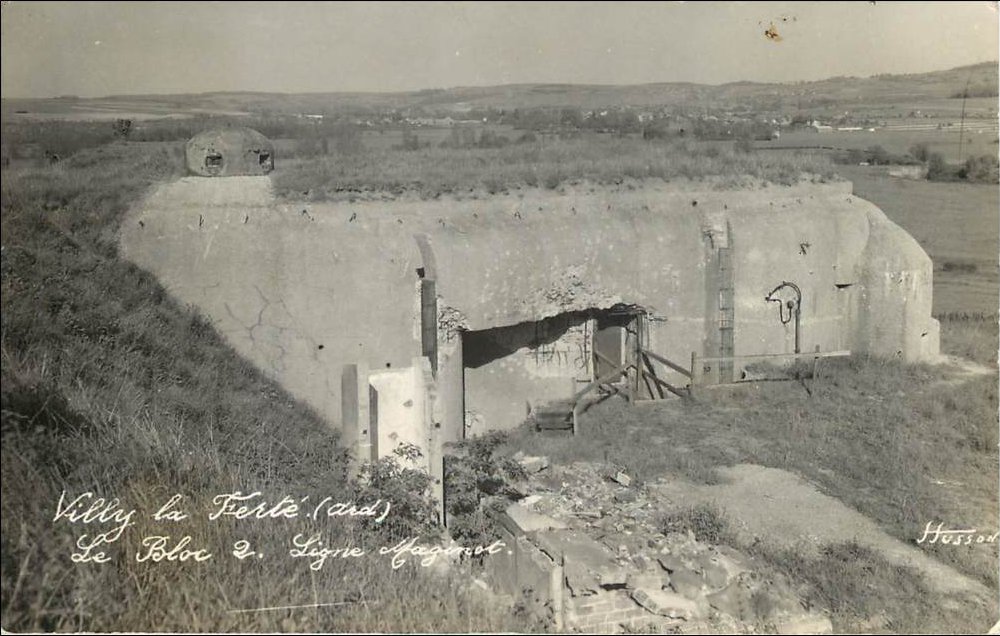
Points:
(94, 49)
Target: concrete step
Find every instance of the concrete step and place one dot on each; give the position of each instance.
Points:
(555, 415)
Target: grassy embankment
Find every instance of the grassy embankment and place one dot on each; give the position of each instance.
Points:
(110, 386)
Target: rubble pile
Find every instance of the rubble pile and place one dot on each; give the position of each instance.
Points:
(588, 552)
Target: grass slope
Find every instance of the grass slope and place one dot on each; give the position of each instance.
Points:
(109, 386)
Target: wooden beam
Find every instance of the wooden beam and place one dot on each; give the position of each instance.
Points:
(676, 367)
(590, 387)
(649, 365)
(666, 385)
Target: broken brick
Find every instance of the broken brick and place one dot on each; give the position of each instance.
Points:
(666, 603)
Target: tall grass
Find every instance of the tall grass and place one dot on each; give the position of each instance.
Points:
(549, 163)
(973, 336)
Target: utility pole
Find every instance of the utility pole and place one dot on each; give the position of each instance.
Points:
(961, 125)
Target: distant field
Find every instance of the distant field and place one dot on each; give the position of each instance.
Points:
(384, 140)
(897, 110)
(93, 115)
(945, 141)
(104, 110)
(958, 224)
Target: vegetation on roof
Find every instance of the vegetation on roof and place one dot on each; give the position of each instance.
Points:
(430, 171)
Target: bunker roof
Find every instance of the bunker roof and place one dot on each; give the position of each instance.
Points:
(231, 136)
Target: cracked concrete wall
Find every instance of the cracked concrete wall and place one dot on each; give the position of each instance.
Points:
(295, 298)
(302, 289)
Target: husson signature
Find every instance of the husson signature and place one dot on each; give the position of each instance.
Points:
(937, 534)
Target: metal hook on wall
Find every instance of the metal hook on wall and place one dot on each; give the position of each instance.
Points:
(791, 306)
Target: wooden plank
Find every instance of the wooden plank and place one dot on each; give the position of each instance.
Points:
(601, 380)
(429, 322)
(552, 415)
(779, 356)
(649, 366)
(590, 387)
(676, 367)
(554, 425)
(666, 385)
(696, 371)
(649, 389)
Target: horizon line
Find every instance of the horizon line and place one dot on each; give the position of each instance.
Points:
(497, 86)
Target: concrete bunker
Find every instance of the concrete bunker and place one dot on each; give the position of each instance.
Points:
(488, 310)
(227, 152)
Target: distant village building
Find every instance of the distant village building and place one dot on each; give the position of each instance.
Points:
(437, 122)
(227, 152)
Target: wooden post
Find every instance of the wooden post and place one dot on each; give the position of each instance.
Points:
(556, 591)
(696, 372)
(429, 322)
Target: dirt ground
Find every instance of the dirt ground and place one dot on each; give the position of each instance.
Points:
(788, 511)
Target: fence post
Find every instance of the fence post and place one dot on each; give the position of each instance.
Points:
(696, 372)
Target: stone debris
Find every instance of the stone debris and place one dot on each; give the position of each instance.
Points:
(666, 603)
(524, 520)
(622, 478)
(530, 463)
(647, 580)
(688, 583)
(622, 572)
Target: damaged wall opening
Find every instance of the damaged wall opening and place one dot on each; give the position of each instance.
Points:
(511, 371)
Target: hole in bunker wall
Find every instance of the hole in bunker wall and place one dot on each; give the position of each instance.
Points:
(489, 345)
(512, 369)
(515, 369)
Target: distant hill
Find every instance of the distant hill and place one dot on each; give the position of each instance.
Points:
(980, 80)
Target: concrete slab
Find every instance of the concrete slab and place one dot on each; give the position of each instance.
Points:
(520, 520)
(664, 603)
(588, 565)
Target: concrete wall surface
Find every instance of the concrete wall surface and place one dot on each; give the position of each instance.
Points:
(227, 152)
(302, 289)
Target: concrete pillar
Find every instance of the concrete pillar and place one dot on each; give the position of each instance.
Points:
(433, 443)
(450, 413)
(355, 415)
